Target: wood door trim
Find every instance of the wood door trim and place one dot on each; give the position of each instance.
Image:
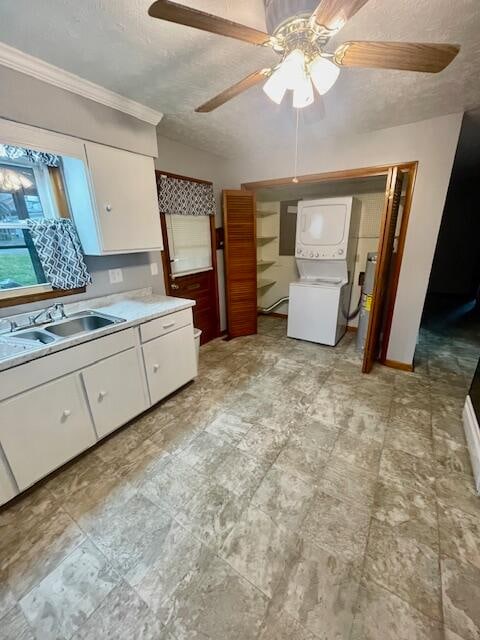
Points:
(393, 289)
(180, 177)
(375, 319)
(330, 176)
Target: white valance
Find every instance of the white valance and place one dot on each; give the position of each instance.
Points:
(185, 197)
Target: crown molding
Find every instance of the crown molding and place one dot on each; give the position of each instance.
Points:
(41, 70)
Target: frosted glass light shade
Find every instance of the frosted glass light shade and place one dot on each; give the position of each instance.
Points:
(293, 69)
(303, 93)
(275, 86)
(324, 74)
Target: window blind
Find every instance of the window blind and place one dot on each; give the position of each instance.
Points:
(189, 243)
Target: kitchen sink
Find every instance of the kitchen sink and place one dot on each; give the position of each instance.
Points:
(35, 335)
(82, 322)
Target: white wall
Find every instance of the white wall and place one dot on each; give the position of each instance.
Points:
(179, 158)
(31, 101)
(432, 143)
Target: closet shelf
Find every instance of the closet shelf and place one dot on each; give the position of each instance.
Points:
(265, 239)
(265, 214)
(265, 263)
(264, 282)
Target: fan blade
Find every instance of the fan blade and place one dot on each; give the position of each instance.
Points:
(233, 91)
(333, 14)
(180, 14)
(407, 56)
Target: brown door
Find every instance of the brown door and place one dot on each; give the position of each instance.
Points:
(382, 272)
(240, 262)
(200, 286)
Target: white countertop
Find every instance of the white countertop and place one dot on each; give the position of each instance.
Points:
(135, 308)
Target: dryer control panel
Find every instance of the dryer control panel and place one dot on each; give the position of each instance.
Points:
(323, 228)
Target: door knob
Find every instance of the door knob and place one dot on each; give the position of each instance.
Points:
(102, 395)
(66, 413)
(174, 286)
(156, 367)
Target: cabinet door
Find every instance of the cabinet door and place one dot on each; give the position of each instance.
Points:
(43, 428)
(170, 362)
(115, 391)
(126, 199)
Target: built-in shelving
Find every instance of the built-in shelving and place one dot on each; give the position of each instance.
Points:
(265, 214)
(265, 239)
(264, 282)
(265, 263)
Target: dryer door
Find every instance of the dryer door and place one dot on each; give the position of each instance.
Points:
(322, 228)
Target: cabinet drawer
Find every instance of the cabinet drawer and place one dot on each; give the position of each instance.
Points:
(43, 428)
(170, 362)
(161, 326)
(115, 391)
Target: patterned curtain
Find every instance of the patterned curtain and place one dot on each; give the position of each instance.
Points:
(60, 253)
(36, 157)
(184, 197)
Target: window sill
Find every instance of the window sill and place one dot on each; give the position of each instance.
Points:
(34, 294)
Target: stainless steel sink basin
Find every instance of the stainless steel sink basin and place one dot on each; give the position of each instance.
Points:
(34, 335)
(82, 322)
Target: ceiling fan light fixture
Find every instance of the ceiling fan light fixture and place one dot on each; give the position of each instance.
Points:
(303, 93)
(293, 69)
(324, 74)
(275, 86)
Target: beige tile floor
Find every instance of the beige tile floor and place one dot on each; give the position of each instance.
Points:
(282, 496)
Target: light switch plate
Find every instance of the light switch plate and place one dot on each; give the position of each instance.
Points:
(154, 268)
(115, 276)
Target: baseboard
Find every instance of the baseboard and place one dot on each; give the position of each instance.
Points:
(472, 433)
(351, 329)
(395, 364)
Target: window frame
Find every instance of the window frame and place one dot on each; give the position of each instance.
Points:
(22, 135)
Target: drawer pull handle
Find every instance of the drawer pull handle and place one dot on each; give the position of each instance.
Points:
(66, 413)
(156, 367)
(102, 395)
(168, 325)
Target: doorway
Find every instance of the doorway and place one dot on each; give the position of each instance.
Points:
(274, 204)
(190, 265)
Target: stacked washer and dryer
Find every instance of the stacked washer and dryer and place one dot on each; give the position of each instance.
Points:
(325, 251)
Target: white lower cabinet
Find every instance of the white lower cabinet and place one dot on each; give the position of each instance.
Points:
(41, 429)
(170, 362)
(44, 426)
(115, 391)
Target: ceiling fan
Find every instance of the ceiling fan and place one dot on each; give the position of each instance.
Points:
(300, 40)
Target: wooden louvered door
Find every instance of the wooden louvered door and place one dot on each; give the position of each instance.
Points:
(240, 253)
(384, 261)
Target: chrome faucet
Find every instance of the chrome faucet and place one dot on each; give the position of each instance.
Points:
(48, 313)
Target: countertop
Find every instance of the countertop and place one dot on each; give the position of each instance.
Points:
(135, 308)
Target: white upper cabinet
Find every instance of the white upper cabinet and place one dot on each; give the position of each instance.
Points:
(126, 201)
(122, 214)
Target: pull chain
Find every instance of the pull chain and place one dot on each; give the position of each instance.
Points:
(295, 178)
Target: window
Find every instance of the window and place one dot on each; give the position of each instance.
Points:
(28, 191)
(189, 242)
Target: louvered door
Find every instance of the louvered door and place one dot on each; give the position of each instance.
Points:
(240, 262)
(384, 260)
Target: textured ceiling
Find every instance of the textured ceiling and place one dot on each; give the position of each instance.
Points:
(174, 68)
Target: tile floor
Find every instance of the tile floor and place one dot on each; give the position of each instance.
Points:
(282, 496)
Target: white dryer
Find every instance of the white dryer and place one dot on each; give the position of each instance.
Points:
(326, 245)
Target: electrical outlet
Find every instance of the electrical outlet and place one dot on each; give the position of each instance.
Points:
(154, 268)
(115, 276)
